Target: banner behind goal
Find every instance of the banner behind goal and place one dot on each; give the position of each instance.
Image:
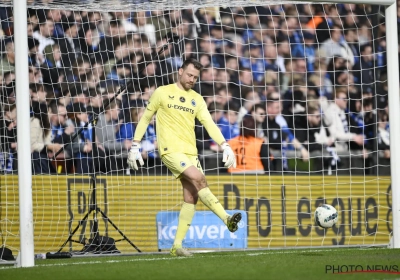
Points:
(312, 77)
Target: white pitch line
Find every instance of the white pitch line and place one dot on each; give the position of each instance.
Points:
(133, 259)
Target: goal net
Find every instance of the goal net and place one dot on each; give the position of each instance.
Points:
(309, 81)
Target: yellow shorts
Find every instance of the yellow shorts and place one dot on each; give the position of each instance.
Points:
(179, 162)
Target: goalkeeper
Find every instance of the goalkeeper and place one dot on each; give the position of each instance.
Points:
(177, 106)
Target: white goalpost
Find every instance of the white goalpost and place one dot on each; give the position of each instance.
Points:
(26, 256)
(320, 79)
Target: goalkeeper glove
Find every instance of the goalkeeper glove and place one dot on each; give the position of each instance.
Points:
(134, 155)
(228, 156)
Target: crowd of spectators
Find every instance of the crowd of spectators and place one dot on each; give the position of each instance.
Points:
(312, 77)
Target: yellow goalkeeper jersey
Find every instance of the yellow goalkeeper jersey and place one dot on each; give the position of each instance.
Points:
(175, 120)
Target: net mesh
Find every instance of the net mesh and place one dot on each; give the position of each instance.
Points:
(310, 79)
(144, 5)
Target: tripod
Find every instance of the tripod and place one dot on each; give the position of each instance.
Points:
(97, 240)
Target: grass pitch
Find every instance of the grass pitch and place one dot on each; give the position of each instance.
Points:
(270, 264)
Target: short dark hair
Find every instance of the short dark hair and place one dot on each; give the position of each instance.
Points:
(53, 106)
(312, 110)
(339, 90)
(192, 61)
(364, 47)
(232, 106)
(36, 87)
(215, 107)
(258, 106)
(248, 127)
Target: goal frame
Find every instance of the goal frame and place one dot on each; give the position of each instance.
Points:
(26, 254)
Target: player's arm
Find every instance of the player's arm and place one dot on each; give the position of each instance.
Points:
(151, 108)
(204, 116)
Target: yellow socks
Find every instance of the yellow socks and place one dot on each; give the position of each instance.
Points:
(185, 219)
(213, 204)
(188, 210)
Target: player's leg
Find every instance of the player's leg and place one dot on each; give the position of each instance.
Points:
(177, 163)
(195, 176)
(185, 218)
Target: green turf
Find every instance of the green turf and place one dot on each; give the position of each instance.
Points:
(271, 264)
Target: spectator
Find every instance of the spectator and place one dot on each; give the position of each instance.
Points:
(61, 130)
(126, 19)
(115, 31)
(270, 56)
(8, 78)
(38, 93)
(142, 26)
(255, 62)
(65, 96)
(69, 43)
(224, 96)
(251, 152)
(314, 134)
(320, 80)
(337, 46)
(79, 94)
(106, 129)
(35, 76)
(351, 38)
(245, 82)
(283, 53)
(208, 85)
(95, 105)
(41, 144)
(324, 21)
(90, 82)
(52, 68)
(88, 157)
(34, 57)
(290, 27)
(7, 63)
(56, 16)
(230, 130)
(89, 42)
(258, 113)
(44, 33)
(8, 92)
(277, 137)
(8, 139)
(160, 22)
(250, 98)
(364, 71)
(208, 46)
(335, 116)
(383, 134)
(120, 52)
(223, 79)
(80, 68)
(232, 67)
(309, 50)
(363, 123)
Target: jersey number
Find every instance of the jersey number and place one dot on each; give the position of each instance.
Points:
(240, 152)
